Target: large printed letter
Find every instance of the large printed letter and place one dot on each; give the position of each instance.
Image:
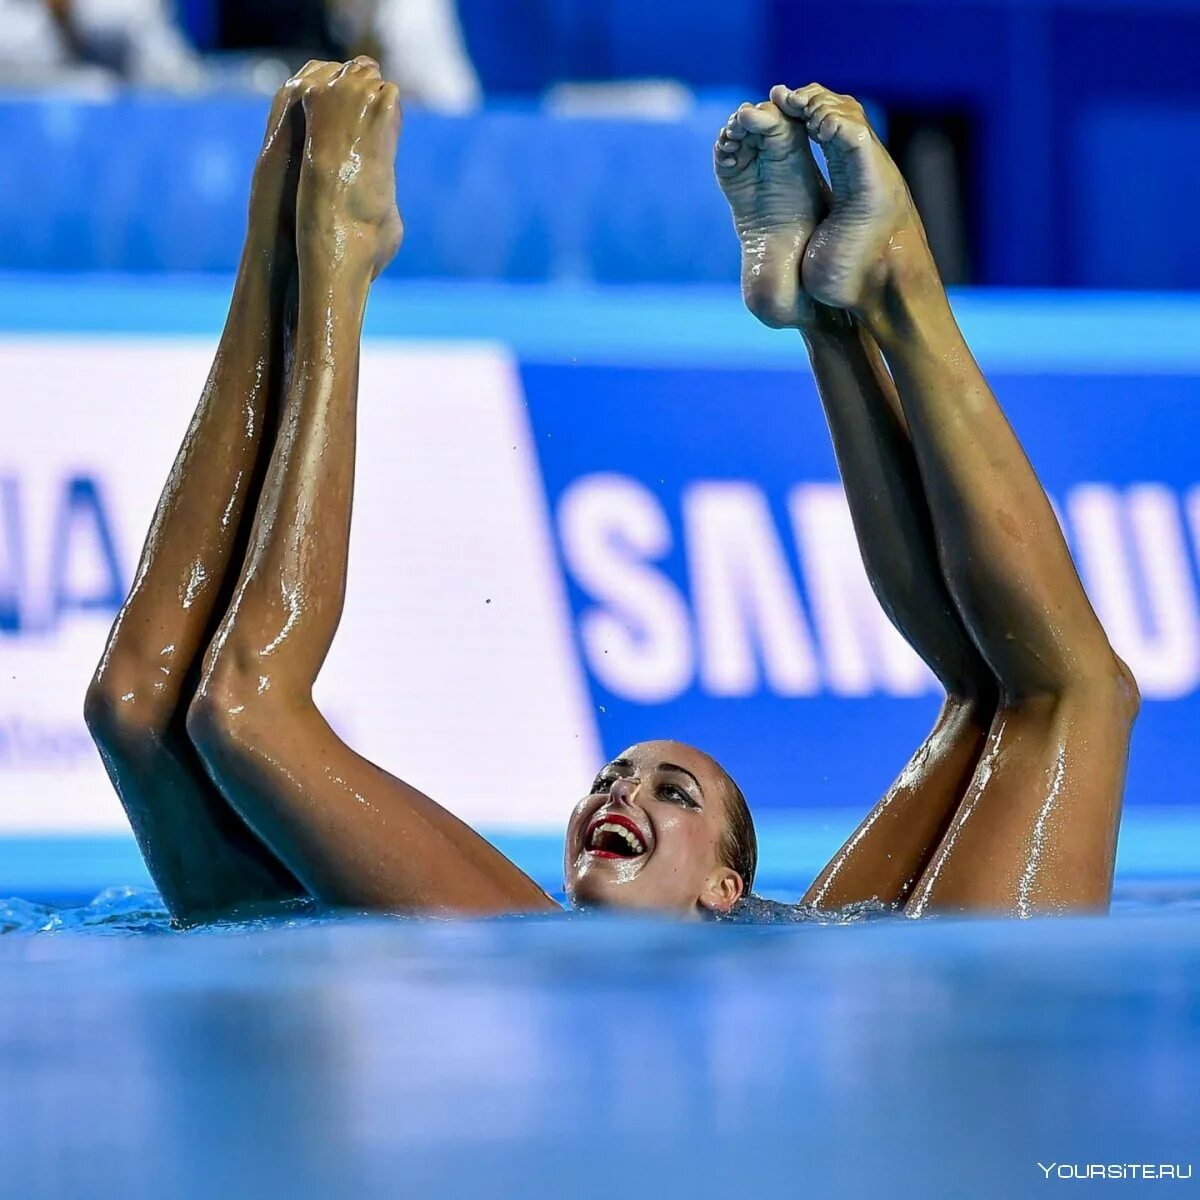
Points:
(638, 643)
(1160, 636)
(82, 532)
(862, 649)
(12, 555)
(744, 593)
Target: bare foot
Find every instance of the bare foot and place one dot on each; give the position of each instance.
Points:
(346, 206)
(871, 212)
(765, 167)
(277, 172)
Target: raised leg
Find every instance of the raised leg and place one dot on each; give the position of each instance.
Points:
(887, 853)
(201, 854)
(765, 166)
(1037, 828)
(352, 833)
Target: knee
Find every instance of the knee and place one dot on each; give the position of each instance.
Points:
(1112, 684)
(224, 713)
(123, 705)
(212, 718)
(1102, 683)
(1129, 693)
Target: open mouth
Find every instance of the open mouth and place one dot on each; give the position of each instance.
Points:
(614, 836)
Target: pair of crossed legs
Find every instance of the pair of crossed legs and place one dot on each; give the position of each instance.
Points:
(239, 792)
(1013, 801)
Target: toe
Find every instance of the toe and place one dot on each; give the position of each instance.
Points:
(783, 98)
(806, 93)
(730, 158)
(762, 118)
(318, 66)
(813, 97)
(360, 67)
(388, 102)
(729, 141)
(735, 146)
(818, 111)
(316, 70)
(828, 128)
(746, 117)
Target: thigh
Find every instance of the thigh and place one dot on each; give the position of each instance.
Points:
(1036, 831)
(352, 834)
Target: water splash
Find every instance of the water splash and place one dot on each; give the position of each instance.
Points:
(116, 910)
(758, 910)
(128, 911)
(139, 912)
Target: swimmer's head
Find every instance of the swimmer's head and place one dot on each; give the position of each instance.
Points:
(665, 827)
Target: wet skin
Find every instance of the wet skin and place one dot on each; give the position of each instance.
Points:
(262, 764)
(240, 792)
(670, 800)
(1013, 803)
(764, 163)
(204, 859)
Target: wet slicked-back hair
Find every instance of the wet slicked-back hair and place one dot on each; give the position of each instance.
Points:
(739, 842)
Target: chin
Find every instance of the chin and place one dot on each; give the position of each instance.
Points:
(591, 891)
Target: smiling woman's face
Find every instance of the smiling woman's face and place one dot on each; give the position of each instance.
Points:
(649, 835)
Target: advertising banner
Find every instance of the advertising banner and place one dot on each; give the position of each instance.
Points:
(551, 561)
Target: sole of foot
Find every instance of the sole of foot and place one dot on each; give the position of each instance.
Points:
(765, 167)
(849, 256)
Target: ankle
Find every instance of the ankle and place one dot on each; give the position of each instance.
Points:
(903, 290)
(820, 324)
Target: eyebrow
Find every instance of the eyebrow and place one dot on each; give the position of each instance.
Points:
(683, 771)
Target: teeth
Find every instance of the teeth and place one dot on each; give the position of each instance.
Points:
(631, 838)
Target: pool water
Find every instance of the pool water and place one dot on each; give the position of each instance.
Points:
(596, 1056)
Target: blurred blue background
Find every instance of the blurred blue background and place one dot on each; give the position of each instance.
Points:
(1049, 142)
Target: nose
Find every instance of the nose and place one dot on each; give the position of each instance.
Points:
(622, 790)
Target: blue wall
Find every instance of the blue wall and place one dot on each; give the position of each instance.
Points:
(156, 183)
(1099, 195)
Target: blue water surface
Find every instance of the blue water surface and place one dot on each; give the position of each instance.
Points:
(313, 1056)
(309, 1055)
